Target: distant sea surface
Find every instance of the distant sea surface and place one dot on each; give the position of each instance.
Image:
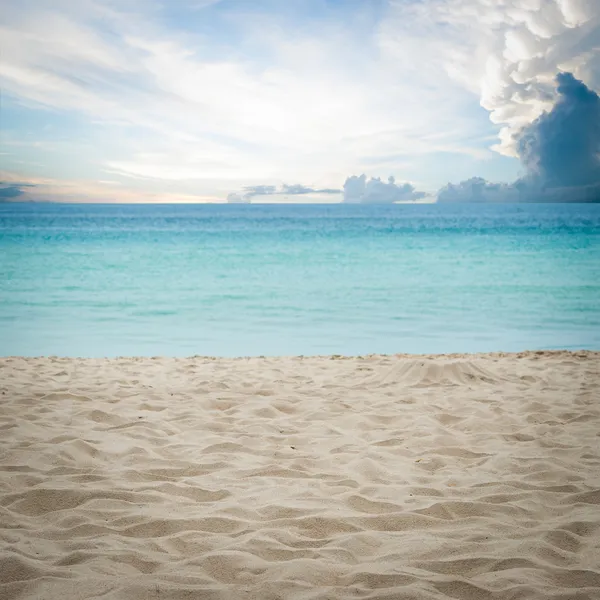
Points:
(239, 280)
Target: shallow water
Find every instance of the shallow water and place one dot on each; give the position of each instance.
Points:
(229, 280)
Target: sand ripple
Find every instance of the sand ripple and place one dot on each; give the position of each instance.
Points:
(461, 477)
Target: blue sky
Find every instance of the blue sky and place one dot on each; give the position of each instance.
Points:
(191, 100)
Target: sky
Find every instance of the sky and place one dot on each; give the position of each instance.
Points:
(370, 101)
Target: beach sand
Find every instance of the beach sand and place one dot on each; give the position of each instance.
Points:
(413, 477)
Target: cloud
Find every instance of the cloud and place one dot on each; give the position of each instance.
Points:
(328, 191)
(259, 190)
(563, 35)
(478, 189)
(9, 192)
(233, 93)
(296, 189)
(359, 190)
(510, 58)
(207, 100)
(560, 152)
(235, 198)
(561, 148)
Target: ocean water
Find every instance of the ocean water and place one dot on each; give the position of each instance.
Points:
(238, 280)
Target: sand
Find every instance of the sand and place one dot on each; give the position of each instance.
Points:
(425, 477)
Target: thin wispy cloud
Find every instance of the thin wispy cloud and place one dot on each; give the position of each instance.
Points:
(297, 192)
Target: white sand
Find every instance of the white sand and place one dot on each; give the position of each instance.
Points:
(464, 477)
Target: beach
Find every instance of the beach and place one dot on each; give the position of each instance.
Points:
(464, 476)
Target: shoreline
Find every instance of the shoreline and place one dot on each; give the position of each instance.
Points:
(578, 353)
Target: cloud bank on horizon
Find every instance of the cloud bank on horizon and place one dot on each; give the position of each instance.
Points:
(185, 101)
(285, 191)
(560, 152)
(359, 190)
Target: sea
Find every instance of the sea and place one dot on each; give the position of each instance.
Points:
(95, 280)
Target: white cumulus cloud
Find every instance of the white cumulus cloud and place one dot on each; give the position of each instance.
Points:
(505, 51)
(359, 189)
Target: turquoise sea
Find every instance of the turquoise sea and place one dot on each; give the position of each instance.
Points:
(233, 280)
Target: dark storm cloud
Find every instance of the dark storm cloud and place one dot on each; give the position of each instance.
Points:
(11, 191)
(560, 152)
